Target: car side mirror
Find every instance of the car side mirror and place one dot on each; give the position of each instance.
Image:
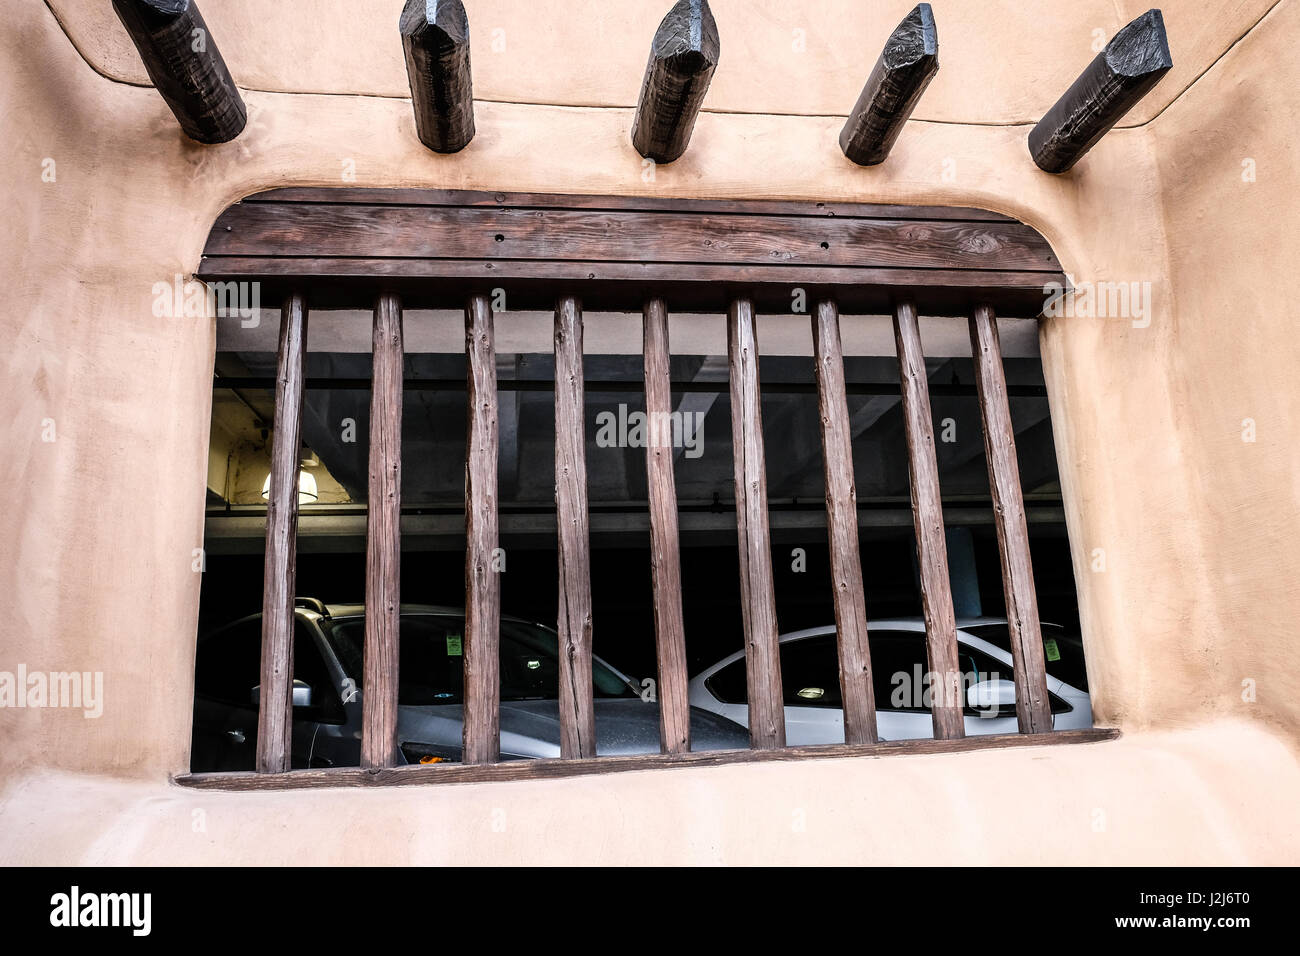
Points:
(990, 696)
(301, 694)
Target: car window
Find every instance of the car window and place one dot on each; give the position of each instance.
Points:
(810, 673)
(431, 663)
(228, 665)
(1062, 650)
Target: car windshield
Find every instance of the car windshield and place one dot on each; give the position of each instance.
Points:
(1062, 651)
(431, 664)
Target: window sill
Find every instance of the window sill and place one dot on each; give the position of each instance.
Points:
(554, 767)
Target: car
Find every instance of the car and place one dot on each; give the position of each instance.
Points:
(329, 643)
(810, 680)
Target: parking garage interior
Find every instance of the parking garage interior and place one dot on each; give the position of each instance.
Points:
(332, 524)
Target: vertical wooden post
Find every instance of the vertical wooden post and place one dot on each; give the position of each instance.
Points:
(482, 705)
(1033, 708)
(383, 539)
(275, 701)
(757, 597)
(577, 713)
(927, 514)
(665, 564)
(856, 691)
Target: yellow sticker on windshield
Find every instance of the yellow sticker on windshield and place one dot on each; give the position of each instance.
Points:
(455, 646)
(1053, 652)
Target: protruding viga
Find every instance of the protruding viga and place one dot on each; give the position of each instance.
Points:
(435, 40)
(683, 56)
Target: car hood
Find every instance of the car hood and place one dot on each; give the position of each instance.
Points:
(531, 728)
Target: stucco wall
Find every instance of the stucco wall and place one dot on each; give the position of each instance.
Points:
(1196, 525)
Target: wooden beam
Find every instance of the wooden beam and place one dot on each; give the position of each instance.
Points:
(683, 56)
(435, 41)
(482, 704)
(856, 691)
(186, 67)
(383, 539)
(665, 559)
(550, 768)
(1033, 708)
(577, 710)
(947, 702)
(275, 702)
(905, 68)
(757, 596)
(1121, 74)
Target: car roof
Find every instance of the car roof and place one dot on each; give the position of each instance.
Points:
(341, 611)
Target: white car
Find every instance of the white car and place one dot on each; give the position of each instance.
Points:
(810, 681)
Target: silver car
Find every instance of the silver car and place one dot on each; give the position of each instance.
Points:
(328, 646)
(814, 713)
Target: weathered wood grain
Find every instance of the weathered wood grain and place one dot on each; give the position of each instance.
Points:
(577, 711)
(275, 701)
(186, 67)
(435, 42)
(1033, 707)
(665, 559)
(856, 691)
(482, 639)
(905, 68)
(549, 769)
(683, 56)
(1129, 66)
(947, 702)
(757, 594)
(383, 539)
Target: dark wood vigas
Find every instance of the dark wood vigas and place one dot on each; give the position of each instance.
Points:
(346, 245)
(905, 68)
(279, 579)
(1121, 74)
(391, 250)
(683, 56)
(185, 66)
(438, 71)
(383, 539)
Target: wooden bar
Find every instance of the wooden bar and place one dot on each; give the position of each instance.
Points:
(1033, 707)
(552, 769)
(275, 701)
(683, 56)
(438, 71)
(905, 68)
(757, 595)
(383, 540)
(665, 561)
(1129, 66)
(947, 702)
(856, 691)
(185, 66)
(577, 709)
(482, 704)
